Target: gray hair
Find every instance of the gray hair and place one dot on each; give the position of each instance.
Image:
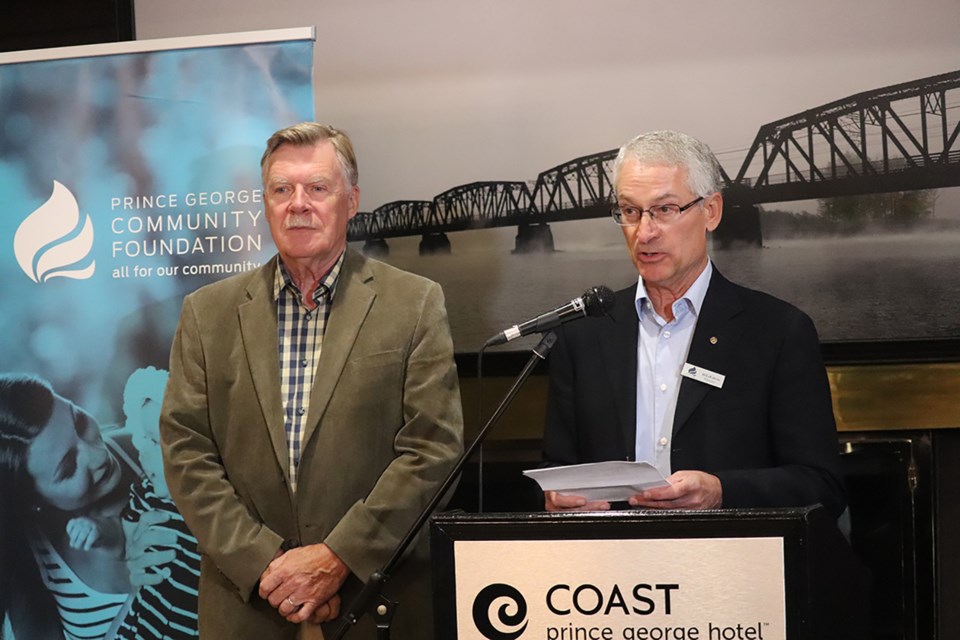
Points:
(674, 149)
(306, 134)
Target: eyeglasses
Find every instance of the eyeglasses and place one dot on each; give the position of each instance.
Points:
(659, 214)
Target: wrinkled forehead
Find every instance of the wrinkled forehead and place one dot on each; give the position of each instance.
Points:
(318, 160)
(663, 179)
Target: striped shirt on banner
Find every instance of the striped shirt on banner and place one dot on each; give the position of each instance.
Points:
(85, 613)
(166, 610)
(299, 340)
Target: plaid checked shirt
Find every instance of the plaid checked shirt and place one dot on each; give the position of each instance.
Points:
(299, 340)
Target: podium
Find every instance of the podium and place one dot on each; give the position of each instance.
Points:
(740, 574)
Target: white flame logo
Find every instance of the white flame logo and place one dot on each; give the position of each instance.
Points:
(39, 243)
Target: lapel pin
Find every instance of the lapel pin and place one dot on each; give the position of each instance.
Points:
(713, 339)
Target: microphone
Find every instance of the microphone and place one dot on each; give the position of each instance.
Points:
(595, 301)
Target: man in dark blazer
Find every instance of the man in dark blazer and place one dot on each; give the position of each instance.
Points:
(312, 411)
(722, 388)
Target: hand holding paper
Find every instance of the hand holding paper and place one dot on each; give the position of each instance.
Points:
(686, 490)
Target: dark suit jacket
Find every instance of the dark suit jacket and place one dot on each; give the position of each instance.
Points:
(768, 433)
(384, 427)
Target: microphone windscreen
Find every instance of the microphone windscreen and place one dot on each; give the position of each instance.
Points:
(597, 301)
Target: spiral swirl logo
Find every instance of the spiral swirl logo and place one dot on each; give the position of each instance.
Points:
(53, 241)
(510, 612)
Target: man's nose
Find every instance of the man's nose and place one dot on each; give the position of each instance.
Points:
(299, 197)
(647, 229)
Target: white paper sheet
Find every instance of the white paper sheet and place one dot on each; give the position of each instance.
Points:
(611, 481)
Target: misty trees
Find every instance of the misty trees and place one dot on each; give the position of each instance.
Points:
(895, 211)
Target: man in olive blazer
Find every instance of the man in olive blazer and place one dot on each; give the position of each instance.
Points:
(383, 428)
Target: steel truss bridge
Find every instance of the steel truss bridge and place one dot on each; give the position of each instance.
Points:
(897, 138)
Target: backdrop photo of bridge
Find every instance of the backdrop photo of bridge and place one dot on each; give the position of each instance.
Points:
(849, 210)
(898, 138)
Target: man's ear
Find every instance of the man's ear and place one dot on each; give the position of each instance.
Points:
(713, 208)
(354, 201)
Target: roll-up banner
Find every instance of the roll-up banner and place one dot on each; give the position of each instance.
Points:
(129, 176)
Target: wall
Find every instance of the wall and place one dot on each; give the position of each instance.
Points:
(438, 93)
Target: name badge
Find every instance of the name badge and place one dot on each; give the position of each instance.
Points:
(702, 375)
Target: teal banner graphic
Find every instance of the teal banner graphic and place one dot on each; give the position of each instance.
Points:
(130, 177)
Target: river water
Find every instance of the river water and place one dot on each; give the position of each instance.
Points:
(869, 287)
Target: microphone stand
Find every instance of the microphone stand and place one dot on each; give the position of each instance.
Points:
(370, 600)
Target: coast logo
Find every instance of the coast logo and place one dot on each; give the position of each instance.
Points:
(53, 241)
(505, 598)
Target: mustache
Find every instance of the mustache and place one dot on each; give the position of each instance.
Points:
(299, 221)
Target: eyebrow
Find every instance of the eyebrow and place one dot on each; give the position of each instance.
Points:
(311, 180)
(657, 200)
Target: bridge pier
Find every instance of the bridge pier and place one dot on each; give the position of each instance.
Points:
(740, 227)
(533, 238)
(376, 247)
(434, 243)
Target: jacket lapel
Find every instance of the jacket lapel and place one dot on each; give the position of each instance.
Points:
(351, 304)
(258, 331)
(620, 357)
(714, 338)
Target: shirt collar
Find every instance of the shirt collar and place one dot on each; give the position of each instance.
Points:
(328, 283)
(693, 297)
